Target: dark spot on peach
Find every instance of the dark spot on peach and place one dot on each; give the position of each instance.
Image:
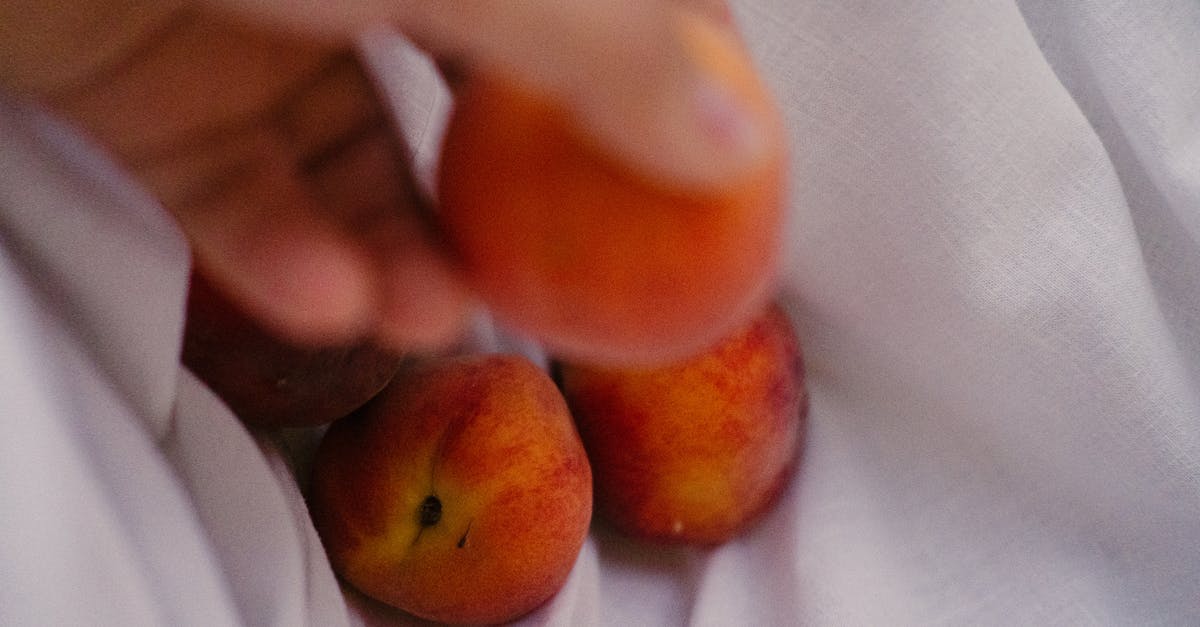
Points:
(431, 511)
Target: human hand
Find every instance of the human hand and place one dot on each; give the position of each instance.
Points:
(257, 127)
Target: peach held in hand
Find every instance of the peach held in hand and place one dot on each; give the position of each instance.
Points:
(461, 494)
(693, 452)
(599, 262)
(270, 382)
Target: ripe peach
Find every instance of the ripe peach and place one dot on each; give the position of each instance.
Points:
(694, 451)
(270, 382)
(595, 260)
(461, 494)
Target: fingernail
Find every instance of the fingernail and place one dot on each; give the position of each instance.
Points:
(727, 124)
(731, 110)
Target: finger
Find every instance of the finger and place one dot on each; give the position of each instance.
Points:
(281, 167)
(363, 180)
(346, 198)
(262, 239)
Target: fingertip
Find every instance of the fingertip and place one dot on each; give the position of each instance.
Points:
(426, 305)
(306, 287)
(667, 88)
(710, 123)
(262, 239)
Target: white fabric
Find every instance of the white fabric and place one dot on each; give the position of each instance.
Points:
(994, 267)
(129, 495)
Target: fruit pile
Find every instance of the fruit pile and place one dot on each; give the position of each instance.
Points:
(463, 493)
(460, 488)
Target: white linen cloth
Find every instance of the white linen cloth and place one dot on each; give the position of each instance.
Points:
(994, 265)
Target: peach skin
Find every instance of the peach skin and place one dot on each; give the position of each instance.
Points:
(693, 452)
(461, 494)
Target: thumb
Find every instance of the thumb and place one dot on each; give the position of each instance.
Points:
(640, 76)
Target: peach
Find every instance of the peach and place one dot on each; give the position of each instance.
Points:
(694, 451)
(270, 382)
(461, 494)
(599, 262)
